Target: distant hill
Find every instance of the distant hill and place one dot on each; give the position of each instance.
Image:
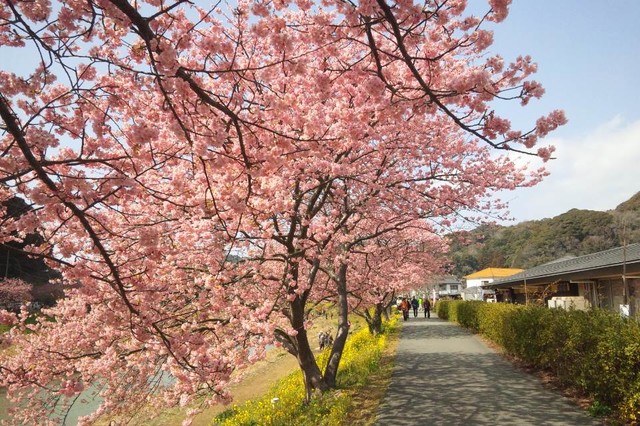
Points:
(531, 243)
(632, 204)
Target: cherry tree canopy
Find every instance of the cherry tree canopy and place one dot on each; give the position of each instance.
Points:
(204, 171)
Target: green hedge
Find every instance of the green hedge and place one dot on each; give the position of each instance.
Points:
(597, 352)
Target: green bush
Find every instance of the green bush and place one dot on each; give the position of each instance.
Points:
(467, 314)
(493, 321)
(442, 309)
(597, 352)
(598, 409)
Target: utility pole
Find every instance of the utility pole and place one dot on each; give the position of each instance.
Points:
(625, 284)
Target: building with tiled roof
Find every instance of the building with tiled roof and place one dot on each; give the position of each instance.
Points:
(606, 279)
(448, 286)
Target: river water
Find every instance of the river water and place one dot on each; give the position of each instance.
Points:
(86, 404)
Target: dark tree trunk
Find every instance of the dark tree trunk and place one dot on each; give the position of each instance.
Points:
(387, 312)
(312, 376)
(387, 303)
(331, 372)
(311, 373)
(376, 321)
(299, 347)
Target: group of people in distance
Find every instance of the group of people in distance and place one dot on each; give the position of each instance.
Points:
(325, 340)
(405, 305)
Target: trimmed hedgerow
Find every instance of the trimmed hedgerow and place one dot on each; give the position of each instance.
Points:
(597, 352)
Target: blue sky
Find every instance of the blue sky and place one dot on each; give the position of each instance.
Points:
(588, 54)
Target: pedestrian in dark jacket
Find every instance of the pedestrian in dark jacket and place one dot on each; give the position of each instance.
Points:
(414, 305)
(426, 305)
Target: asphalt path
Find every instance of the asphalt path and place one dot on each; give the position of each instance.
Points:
(445, 375)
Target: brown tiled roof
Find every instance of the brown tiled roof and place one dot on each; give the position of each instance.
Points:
(590, 262)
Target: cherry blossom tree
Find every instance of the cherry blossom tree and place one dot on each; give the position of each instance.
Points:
(209, 173)
(14, 293)
(394, 265)
(376, 191)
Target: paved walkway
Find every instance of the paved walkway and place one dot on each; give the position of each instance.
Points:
(445, 375)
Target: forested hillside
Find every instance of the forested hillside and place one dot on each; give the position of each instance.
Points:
(527, 244)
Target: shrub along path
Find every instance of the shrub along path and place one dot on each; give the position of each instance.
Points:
(445, 375)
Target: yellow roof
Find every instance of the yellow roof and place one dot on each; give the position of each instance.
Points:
(493, 273)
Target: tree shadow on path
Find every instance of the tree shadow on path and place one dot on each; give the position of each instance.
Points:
(445, 375)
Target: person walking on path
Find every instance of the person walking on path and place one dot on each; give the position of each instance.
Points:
(404, 307)
(426, 305)
(456, 379)
(414, 305)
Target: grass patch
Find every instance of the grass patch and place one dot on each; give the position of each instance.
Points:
(363, 367)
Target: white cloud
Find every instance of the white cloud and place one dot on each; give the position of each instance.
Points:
(595, 171)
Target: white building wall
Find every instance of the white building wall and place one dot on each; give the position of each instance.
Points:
(478, 282)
